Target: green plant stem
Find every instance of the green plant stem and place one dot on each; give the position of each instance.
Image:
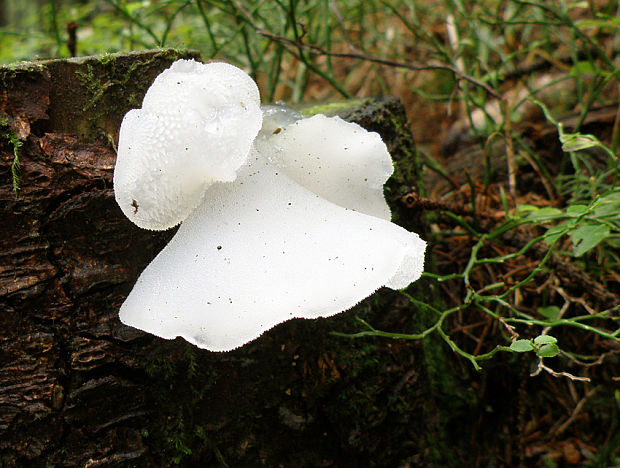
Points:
(566, 323)
(171, 20)
(207, 24)
(133, 19)
(54, 21)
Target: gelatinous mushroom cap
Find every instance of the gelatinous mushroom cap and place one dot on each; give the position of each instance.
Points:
(262, 250)
(338, 160)
(195, 128)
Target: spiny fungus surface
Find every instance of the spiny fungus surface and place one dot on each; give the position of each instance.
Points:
(284, 222)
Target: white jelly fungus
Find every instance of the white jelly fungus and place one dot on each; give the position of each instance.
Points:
(195, 128)
(289, 221)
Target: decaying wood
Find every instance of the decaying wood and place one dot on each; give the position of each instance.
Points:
(64, 246)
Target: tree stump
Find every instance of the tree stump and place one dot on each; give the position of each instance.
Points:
(78, 388)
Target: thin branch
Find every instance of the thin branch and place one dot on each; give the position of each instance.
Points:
(430, 65)
(560, 430)
(550, 371)
(134, 19)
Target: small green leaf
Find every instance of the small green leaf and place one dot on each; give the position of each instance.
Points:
(525, 209)
(549, 312)
(607, 208)
(576, 210)
(548, 350)
(577, 142)
(611, 196)
(583, 67)
(545, 339)
(522, 346)
(554, 232)
(607, 205)
(544, 214)
(587, 237)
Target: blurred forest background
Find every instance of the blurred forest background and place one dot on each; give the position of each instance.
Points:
(514, 107)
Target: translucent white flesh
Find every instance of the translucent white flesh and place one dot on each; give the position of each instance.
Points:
(276, 117)
(203, 87)
(195, 128)
(338, 160)
(262, 250)
(300, 230)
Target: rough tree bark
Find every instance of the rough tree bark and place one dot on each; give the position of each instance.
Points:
(78, 388)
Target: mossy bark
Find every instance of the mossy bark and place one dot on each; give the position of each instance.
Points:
(78, 388)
